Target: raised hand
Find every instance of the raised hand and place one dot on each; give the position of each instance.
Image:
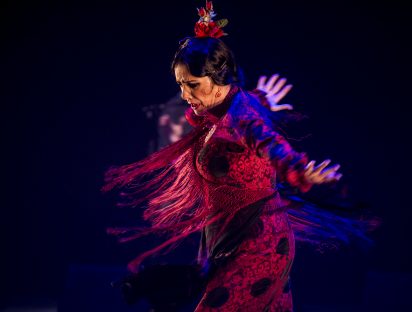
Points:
(275, 89)
(323, 173)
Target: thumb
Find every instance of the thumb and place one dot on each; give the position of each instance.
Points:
(276, 108)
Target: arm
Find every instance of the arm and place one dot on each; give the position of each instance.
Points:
(291, 167)
(289, 164)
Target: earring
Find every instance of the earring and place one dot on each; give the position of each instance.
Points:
(218, 94)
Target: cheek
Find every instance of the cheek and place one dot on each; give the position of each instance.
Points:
(205, 95)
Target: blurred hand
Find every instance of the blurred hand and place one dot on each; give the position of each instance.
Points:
(275, 89)
(173, 131)
(323, 173)
(164, 120)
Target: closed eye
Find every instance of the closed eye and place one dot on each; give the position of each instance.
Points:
(193, 85)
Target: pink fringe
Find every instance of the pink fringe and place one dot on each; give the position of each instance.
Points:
(174, 190)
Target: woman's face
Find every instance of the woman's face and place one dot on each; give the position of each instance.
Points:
(199, 92)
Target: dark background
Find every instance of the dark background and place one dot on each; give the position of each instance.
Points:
(76, 74)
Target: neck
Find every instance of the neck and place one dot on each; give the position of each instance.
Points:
(224, 90)
(220, 109)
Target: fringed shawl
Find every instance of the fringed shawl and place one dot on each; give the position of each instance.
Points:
(178, 196)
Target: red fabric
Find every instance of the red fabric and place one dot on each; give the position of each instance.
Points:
(261, 97)
(221, 180)
(226, 163)
(256, 276)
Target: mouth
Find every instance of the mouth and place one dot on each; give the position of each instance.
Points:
(194, 105)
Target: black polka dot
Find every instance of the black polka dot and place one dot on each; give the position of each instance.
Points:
(260, 286)
(283, 246)
(217, 297)
(202, 154)
(219, 166)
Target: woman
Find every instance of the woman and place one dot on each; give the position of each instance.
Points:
(221, 180)
(240, 156)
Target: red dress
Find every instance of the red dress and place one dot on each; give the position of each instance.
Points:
(221, 180)
(250, 250)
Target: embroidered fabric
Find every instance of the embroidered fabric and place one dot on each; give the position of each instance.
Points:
(193, 183)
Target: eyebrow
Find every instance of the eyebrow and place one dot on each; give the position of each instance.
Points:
(189, 81)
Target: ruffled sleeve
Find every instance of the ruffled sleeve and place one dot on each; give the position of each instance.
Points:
(288, 163)
(261, 97)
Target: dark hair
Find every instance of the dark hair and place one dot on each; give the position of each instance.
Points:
(208, 56)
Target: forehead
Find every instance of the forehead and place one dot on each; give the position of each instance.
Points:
(182, 73)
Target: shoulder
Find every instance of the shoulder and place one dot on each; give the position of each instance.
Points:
(247, 107)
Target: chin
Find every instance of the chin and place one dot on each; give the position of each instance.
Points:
(199, 112)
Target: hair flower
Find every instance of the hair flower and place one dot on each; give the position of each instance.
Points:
(205, 26)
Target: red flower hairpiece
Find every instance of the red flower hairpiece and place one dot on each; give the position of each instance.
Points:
(205, 26)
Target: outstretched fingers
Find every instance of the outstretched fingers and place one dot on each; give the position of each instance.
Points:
(279, 107)
(261, 83)
(322, 173)
(282, 93)
(275, 88)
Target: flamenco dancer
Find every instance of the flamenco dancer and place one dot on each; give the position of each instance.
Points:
(222, 180)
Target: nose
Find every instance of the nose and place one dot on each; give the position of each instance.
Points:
(185, 93)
